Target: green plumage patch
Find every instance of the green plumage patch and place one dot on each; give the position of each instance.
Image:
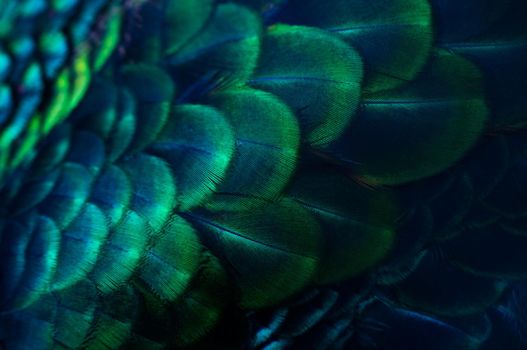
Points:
(121, 253)
(172, 260)
(394, 37)
(358, 223)
(184, 19)
(417, 130)
(229, 45)
(80, 246)
(316, 74)
(266, 137)
(272, 252)
(198, 143)
(154, 189)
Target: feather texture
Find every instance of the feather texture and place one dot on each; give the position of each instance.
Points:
(262, 174)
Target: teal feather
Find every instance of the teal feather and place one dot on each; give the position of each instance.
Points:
(229, 43)
(316, 74)
(393, 37)
(80, 247)
(120, 254)
(198, 143)
(262, 174)
(285, 249)
(152, 200)
(112, 193)
(69, 195)
(266, 148)
(423, 128)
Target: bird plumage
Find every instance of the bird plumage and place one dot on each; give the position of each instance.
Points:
(262, 174)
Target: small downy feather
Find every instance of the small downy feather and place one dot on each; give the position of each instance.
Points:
(413, 232)
(500, 200)
(452, 205)
(388, 327)
(487, 164)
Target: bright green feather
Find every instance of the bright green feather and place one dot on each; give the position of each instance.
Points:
(272, 251)
(198, 142)
(266, 139)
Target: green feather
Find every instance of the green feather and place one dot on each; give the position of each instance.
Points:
(358, 223)
(123, 132)
(80, 78)
(113, 321)
(110, 38)
(98, 108)
(198, 143)
(112, 192)
(267, 139)
(153, 90)
(201, 307)
(154, 189)
(53, 152)
(75, 315)
(30, 259)
(58, 107)
(316, 74)
(80, 246)
(184, 19)
(33, 192)
(68, 196)
(173, 259)
(272, 251)
(417, 130)
(394, 37)
(228, 44)
(93, 160)
(121, 253)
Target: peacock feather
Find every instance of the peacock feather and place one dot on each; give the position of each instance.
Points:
(263, 174)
